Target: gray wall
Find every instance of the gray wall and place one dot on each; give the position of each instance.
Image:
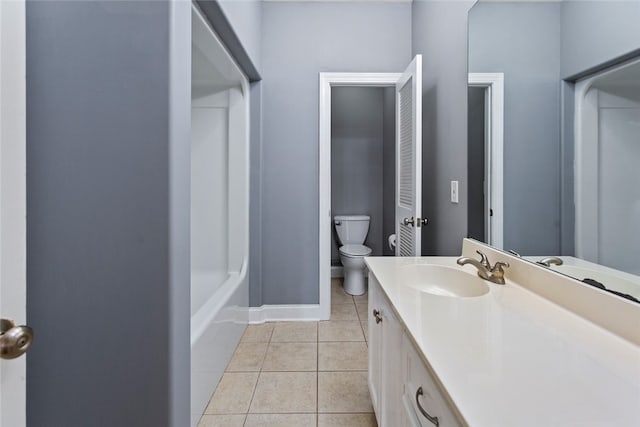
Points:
(594, 32)
(357, 127)
(299, 41)
(107, 200)
(245, 16)
(522, 40)
(388, 168)
(440, 35)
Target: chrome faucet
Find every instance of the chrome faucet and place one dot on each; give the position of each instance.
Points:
(493, 274)
(549, 261)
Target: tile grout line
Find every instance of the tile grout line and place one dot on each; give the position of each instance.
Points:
(269, 341)
(246, 415)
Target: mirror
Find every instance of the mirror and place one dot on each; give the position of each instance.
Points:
(554, 135)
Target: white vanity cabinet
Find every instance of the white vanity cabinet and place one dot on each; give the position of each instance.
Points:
(385, 357)
(423, 403)
(396, 372)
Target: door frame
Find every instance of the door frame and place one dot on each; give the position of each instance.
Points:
(327, 81)
(13, 201)
(494, 151)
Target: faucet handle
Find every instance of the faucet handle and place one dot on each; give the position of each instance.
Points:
(499, 267)
(484, 260)
(549, 261)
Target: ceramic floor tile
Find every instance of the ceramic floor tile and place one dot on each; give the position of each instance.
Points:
(363, 311)
(343, 392)
(281, 420)
(342, 356)
(248, 357)
(285, 392)
(233, 394)
(291, 356)
(295, 332)
(222, 421)
(340, 330)
(347, 420)
(338, 295)
(344, 312)
(365, 329)
(361, 299)
(258, 333)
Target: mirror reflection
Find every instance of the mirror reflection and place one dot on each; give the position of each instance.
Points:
(554, 136)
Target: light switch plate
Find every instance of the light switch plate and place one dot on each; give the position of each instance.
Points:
(454, 191)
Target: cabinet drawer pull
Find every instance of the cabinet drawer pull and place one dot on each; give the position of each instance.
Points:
(376, 314)
(434, 420)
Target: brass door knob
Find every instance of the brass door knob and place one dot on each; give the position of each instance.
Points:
(14, 340)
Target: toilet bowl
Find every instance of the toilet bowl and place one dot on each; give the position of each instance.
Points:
(352, 259)
(352, 231)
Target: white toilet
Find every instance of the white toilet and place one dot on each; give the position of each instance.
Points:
(352, 231)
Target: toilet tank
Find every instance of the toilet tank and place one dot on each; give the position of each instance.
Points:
(351, 229)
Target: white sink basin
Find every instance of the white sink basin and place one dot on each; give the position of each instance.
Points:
(443, 281)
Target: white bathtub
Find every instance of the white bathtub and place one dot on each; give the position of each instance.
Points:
(607, 201)
(219, 210)
(216, 329)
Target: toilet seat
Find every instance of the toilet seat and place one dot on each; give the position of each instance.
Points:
(355, 251)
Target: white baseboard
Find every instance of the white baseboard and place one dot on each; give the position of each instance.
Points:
(283, 313)
(336, 271)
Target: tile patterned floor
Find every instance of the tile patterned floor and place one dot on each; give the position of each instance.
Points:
(299, 374)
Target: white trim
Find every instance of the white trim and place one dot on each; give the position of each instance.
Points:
(494, 82)
(585, 156)
(328, 80)
(284, 313)
(13, 202)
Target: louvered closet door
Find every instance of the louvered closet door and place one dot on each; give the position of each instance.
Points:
(409, 160)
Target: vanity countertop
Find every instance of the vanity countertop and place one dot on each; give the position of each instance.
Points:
(513, 358)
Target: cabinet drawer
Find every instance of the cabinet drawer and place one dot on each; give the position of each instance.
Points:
(417, 378)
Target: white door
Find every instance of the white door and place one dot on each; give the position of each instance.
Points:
(12, 207)
(409, 160)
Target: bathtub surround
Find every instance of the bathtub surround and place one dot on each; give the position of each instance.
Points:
(239, 25)
(219, 210)
(607, 113)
